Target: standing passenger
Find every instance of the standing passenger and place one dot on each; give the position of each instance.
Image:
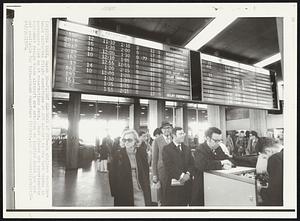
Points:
(157, 163)
(273, 151)
(241, 144)
(108, 143)
(129, 173)
(179, 165)
(208, 156)
(229, 143)
(105, 149)
(144, 144)
(251, 147)
(157, 132)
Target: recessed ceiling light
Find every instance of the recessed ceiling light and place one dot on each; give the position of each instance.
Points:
(269, 60)
(142, 113)
(91, 105)
(60, 103)
(100, 111)
(79, 18)
(210, 31)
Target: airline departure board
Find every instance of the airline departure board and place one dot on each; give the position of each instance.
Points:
(234, 84)
(90, 60)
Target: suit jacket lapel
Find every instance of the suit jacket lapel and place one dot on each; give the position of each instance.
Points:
(174, 147)
(209, 151)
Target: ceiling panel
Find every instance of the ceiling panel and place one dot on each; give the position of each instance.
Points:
(174, 31)
(247, 40)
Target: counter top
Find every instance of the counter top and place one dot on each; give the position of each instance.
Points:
(243, 174)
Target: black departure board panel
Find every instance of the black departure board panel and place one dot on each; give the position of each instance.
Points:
(234, 84)
(90, 60)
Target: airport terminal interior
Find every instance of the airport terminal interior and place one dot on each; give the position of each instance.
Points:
(84, 115)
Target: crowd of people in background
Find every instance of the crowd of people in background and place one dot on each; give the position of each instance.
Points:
(135, 161)
(175, 162)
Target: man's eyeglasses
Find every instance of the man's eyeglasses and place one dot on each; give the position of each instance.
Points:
(216, 141)
(129, 140)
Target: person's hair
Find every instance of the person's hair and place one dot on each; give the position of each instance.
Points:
(211, 130)
(135, 136)
(141, 132)
(247, 133)
(266, 142)
(254, 133)
(175, 129)
(157, 131)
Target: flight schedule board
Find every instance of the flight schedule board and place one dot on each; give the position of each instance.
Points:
(230, 83)
(90, 60)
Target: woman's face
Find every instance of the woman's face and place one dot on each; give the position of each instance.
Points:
(144, 137)
(129, 141)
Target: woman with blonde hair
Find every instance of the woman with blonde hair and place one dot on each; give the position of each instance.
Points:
(129, 173)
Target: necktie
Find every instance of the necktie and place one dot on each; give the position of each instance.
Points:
(179, 147)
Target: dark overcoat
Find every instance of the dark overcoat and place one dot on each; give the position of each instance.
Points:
(205, 159)
(120, 177)
(273, 195)
(175, 163)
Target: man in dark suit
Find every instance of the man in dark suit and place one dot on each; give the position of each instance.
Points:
(208, 156)
(273, 194)
(178, 162)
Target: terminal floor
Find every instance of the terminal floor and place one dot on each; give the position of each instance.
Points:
(83, 187)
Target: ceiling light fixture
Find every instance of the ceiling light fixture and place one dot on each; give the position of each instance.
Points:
(79, 19)
(269, 60)
(209, 32)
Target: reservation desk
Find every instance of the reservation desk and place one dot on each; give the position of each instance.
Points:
(233, 187)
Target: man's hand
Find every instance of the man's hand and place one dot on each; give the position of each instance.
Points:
(154, 179)
(258, 187)
(185, 178)
(226, 164)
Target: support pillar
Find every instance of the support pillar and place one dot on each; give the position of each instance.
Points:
(178, 117)
(135, 114)
(181, 119)
(156, 114)
(72, 148)
(216, 118)
(258, 121)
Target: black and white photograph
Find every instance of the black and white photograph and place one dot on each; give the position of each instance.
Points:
(174, 110)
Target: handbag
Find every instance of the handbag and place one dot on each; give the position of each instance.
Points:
(155, 192)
